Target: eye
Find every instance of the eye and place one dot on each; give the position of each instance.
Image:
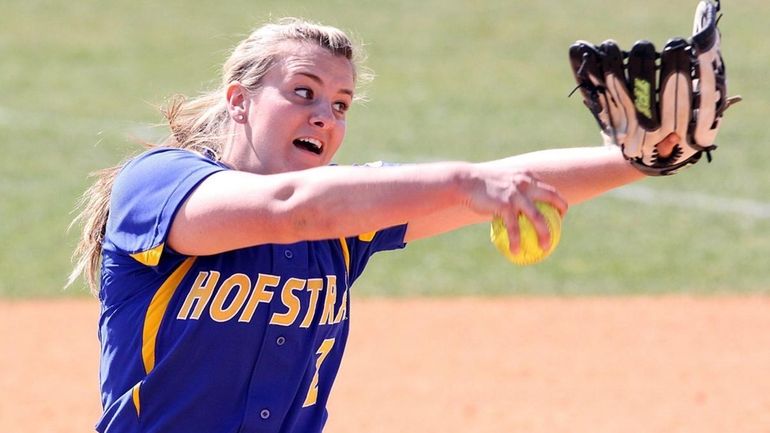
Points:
(304, 92)
(340, 107)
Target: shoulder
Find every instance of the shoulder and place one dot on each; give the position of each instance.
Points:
(161, 158)
(162, 166)
(147, 193)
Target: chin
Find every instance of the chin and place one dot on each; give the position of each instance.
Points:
(304, 165)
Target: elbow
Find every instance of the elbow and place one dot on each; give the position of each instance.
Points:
(297, 218)
(303, 224)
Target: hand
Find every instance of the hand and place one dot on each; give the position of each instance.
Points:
(507, 194)
(666, 146)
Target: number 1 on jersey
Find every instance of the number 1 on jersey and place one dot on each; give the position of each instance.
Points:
(323, 352)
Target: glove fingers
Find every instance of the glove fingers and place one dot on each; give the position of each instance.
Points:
(675, 110)
(710, 83)
(585, 60)
(704, 26)
(710, 87)
(621, 104)
(676, 88)
(683, 93)
(642, 76)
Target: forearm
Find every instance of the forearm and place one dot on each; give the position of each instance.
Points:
(577, 173)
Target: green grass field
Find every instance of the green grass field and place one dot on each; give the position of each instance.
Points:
(80, 80)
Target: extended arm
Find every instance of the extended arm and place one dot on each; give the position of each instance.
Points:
(577, 173)
(232, 210)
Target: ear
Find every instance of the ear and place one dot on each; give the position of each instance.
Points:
(237, 102)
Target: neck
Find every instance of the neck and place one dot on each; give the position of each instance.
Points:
(238, 152)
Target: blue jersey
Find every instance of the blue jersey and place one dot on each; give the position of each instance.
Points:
(244, 341)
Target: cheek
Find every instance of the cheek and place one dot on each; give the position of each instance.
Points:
(270, 108)
(339, 132)
(272, 121)
(342, 126)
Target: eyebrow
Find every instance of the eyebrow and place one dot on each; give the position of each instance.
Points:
(318, 80)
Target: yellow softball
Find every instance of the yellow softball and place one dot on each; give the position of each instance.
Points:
(529, 251)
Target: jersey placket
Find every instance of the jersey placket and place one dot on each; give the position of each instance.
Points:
(286, 350)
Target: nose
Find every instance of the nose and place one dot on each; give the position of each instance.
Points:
(322, 116)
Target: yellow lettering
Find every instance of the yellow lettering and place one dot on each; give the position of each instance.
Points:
(199, 295)
(291, 301)
(642, 97)
(259, 295)
(323, 352)
(342, 313)
(314, 285)
(327, 316)
(219, 312)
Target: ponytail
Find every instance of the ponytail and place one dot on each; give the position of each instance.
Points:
(94, 208)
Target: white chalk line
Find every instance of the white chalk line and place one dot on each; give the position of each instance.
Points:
(693, 200)
(633, 193)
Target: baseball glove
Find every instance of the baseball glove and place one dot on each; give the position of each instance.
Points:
(641, 96)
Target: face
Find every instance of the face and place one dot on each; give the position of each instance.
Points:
(296, 120)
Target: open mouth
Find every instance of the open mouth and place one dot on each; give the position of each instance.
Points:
(309, 144)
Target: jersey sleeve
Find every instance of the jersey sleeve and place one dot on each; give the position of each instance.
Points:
(361, 247)
(146, 195)
(358, 249)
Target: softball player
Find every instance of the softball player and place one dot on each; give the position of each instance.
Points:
(223, 258)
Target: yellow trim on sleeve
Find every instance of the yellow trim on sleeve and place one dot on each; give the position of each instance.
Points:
(149, 257)
(157, 309)
(135, 398)
(346, 254)
(367, 237)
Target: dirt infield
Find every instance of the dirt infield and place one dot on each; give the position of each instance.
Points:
(667, 364)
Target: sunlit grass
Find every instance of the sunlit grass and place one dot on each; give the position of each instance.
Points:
(469, 81)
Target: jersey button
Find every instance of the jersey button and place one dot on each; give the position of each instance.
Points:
(288, 254)
(280, 341)
(264, 414)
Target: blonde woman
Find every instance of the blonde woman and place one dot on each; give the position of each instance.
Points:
(223, 257)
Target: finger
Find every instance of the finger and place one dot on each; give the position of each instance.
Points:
(513, 229)
(538, 220)
(667, 145)
(547, 193)
(553, 198)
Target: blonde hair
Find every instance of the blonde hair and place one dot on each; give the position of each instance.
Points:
(200, 124)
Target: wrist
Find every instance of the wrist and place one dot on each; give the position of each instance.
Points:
(466, 180)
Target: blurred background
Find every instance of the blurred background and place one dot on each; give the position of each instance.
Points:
(81, 82)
